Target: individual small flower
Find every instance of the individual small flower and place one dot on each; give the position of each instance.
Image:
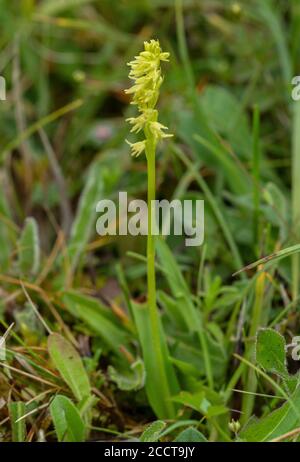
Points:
(137, 148)
(140, 121)
(157, 130)
(234, 426)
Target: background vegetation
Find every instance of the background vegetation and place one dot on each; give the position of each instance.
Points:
(73, 304)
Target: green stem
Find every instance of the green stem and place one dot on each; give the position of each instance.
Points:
(154, 316)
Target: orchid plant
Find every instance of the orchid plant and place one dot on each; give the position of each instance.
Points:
(147, 76)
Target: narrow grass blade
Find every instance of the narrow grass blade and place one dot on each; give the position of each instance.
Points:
(272, 258)
(17, 410)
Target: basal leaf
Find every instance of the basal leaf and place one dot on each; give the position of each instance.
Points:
(69, 364)
(68, 423)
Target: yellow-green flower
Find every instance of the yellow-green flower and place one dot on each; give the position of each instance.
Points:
(146, 74)
(137, 148)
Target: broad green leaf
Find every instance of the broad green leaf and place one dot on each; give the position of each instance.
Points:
(190, 435)
(196, 401)
(68, 424)
(152, 433)
(274, 424)
(200, 403)
(29, 248)
(131, 381)
(70, 366)
(98, 317)
(17, 410)
(270, 351)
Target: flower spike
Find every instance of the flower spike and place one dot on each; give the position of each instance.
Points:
(146, 74)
